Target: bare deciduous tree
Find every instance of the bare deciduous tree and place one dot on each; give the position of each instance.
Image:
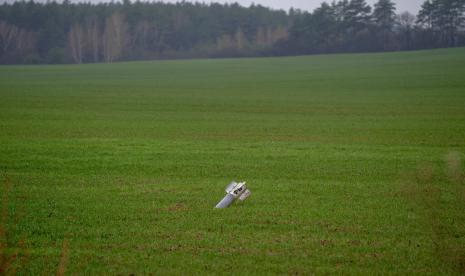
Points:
(15, 41)
(115, 37)
(224, 42)
(278, 34)
(406, 23)
(142, 35)
(266, 37)
(76, 43)
(8, 34)
(261, 37)
(26, 41)
(240, 40)
(92, 38)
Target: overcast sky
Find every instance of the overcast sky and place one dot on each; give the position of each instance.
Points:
(402, 5)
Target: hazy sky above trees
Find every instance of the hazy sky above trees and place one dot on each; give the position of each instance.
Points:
(402, 5)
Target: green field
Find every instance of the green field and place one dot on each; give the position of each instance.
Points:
(355, 163)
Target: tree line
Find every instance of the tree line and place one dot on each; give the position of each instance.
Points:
(37, 32)
(354, 26)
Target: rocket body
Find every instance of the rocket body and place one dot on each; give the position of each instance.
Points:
(226, 201)
(233, 191)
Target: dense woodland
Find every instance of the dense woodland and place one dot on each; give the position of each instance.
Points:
(68, 32)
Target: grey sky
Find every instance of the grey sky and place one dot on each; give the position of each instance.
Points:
(402, 5)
